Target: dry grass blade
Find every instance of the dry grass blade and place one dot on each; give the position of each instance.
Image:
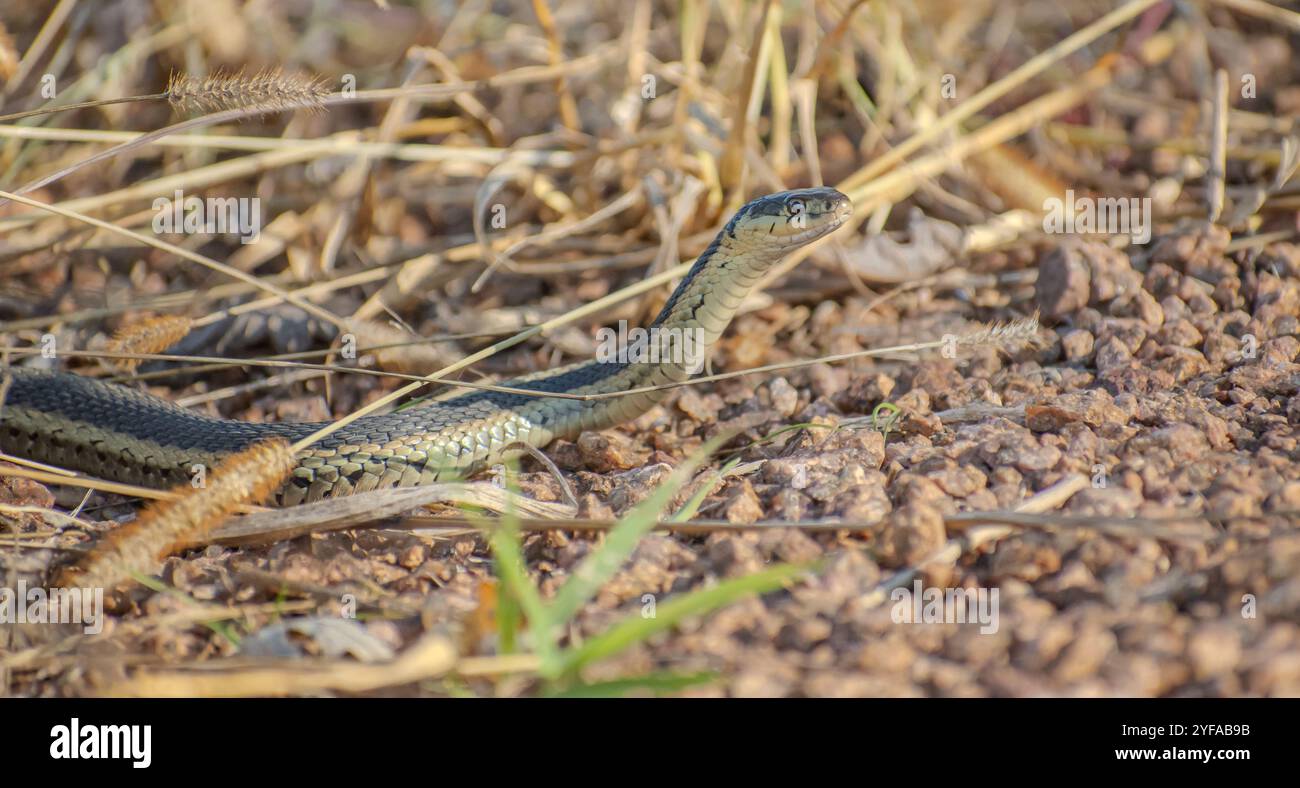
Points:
(1027, 71)
(568, 105)
(1278, 15)
(8, 55)
(397, 351)
(306, 306)
(1191, 528)
(50, 475)
(1006, 337)
(571, 316)
(430, 92)
(79, 105)
(1217, 173)
(44, 38)
(732, 167)
(425, 92)
(512, 170)
(867, 196)
(978, 536)
(370, 508)
(429, 657)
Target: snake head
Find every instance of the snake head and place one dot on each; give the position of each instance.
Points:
(793, 218)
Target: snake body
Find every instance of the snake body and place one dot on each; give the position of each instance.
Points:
(124, 435)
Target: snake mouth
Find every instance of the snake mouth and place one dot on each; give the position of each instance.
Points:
(813, 233)
(836, 210)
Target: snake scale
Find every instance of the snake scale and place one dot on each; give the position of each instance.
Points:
(124, 435)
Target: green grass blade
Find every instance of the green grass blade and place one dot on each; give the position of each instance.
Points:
(621, 540)
(693, 505)
(508, 557)
(635, 628)
(657, 683)
(507, 616)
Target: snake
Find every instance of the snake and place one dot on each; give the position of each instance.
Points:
(124, 435)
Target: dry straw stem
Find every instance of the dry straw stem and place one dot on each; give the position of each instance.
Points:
(48, 515)
(370, 508)
(150, 336)
(694, 18)
(378, 349)
(555, 52)
(124, 59)
(978, 536)
(1135, 104)
(343, 143)
(253, 362)
(243, 478)
(429, 657)
(1006, 337)
(79, 105)
(571, 316)
(900, 183)
(1217, 173)
(1171, 529)
(1027, 71)
(426, 92)
(47, 475)
(44, 37)
(306, 306)
(903, 181)
(267, 91)
(8, 55)
(1267, 11)
(192, 180)
(731, 169)
(1102, 138)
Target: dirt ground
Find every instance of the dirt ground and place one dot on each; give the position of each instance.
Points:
(1164, 374)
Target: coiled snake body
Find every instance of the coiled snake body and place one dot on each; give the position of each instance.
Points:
(124, 435)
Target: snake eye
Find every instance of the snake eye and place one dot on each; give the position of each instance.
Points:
(795, 206)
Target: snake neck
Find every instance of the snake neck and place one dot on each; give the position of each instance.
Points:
(670, 350)
(719, 281)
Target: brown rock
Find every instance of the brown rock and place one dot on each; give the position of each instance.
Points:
(1112, 353)
(1062, 286)
(742, 506)
(1076, 345)
(1083, 657)
(632, 487)
(785, 399)
(1214, 649)
(608, 451)
(911, 534)
(1093, 407)
(734, 555)
(703, 408)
